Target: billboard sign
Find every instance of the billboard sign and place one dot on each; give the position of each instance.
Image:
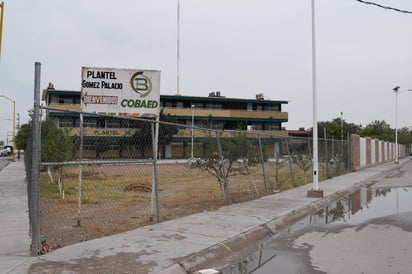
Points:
(122, 92)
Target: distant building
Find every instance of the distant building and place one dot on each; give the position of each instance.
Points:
(301, 132)
(214, 111)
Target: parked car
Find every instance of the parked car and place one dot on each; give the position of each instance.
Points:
(4, 152)
(9, 150)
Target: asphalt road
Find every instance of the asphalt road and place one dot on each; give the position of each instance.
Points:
(367, 232)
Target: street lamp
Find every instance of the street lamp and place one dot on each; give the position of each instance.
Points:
(193, 129)
(178, 50)
(397, 92)
(14, 124)
(341, 125)
(341, 132)
(315, 190)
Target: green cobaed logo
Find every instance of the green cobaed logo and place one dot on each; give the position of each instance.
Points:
(141, 84)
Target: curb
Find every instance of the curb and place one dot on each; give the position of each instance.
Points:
(237, 248)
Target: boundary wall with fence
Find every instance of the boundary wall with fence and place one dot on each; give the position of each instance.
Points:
(367, 152)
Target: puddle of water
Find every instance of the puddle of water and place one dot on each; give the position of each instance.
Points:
(361, 206)
(368, 203)
(357, 208)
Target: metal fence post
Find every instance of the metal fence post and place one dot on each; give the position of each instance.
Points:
(79, 188)
(349, 153)
(326, 153)
(263, 164)
(290, 161)
(35, 166)
(155, 192)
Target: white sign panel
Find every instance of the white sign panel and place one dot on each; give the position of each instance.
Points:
(122, 92)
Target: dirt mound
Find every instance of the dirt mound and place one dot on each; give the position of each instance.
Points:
(139, 187)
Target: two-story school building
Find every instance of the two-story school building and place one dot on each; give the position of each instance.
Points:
(213, 111)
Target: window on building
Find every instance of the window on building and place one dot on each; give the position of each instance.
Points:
(54, 99)
(89, 122)
(65, 122)
(257, 107)
(65, 99)
(273, 126)
(89, 145)
(114, 146)
(124, 123)
(274, 107)
(216, 125)
(76, 122)
(249, 107)
(256, 126)
(101, 122)
(112, 123)
(214, 106)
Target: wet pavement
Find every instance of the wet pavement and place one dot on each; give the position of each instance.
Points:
(366, 232)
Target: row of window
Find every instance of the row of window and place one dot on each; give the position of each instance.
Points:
(93, 146)
(91, 122)
(217, 105)
(74, 99)
(65, 99)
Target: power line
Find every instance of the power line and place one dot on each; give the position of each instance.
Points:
(384, 7)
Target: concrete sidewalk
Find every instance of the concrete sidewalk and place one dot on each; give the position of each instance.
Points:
(184, 245)
(14, 216)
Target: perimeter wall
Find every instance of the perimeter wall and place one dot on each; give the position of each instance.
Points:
(368, 152)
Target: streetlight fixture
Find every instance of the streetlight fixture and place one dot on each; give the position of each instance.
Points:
(193, 129)
(397, 92)
(14, 124)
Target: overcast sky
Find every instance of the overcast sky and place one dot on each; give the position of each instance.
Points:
(238, 47)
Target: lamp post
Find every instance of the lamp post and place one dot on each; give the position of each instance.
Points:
(14, 124)
(341, 132)
(314, 106)
(341, 125)
(178, 50)
(397, 92)
(193, 129)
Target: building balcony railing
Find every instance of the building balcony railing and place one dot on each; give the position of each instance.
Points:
(75, 107)
(200, 133)
(227, 113)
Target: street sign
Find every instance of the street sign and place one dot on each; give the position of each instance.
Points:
(121, 92)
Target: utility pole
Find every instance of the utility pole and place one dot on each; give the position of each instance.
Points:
(1, 23)
(18, 127)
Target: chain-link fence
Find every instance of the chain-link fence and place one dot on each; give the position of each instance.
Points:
(107, 176)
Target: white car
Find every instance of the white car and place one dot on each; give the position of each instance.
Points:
(4, 152)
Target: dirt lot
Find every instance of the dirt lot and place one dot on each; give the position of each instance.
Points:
(118, 198)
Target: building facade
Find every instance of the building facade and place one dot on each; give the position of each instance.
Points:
(214, 111)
